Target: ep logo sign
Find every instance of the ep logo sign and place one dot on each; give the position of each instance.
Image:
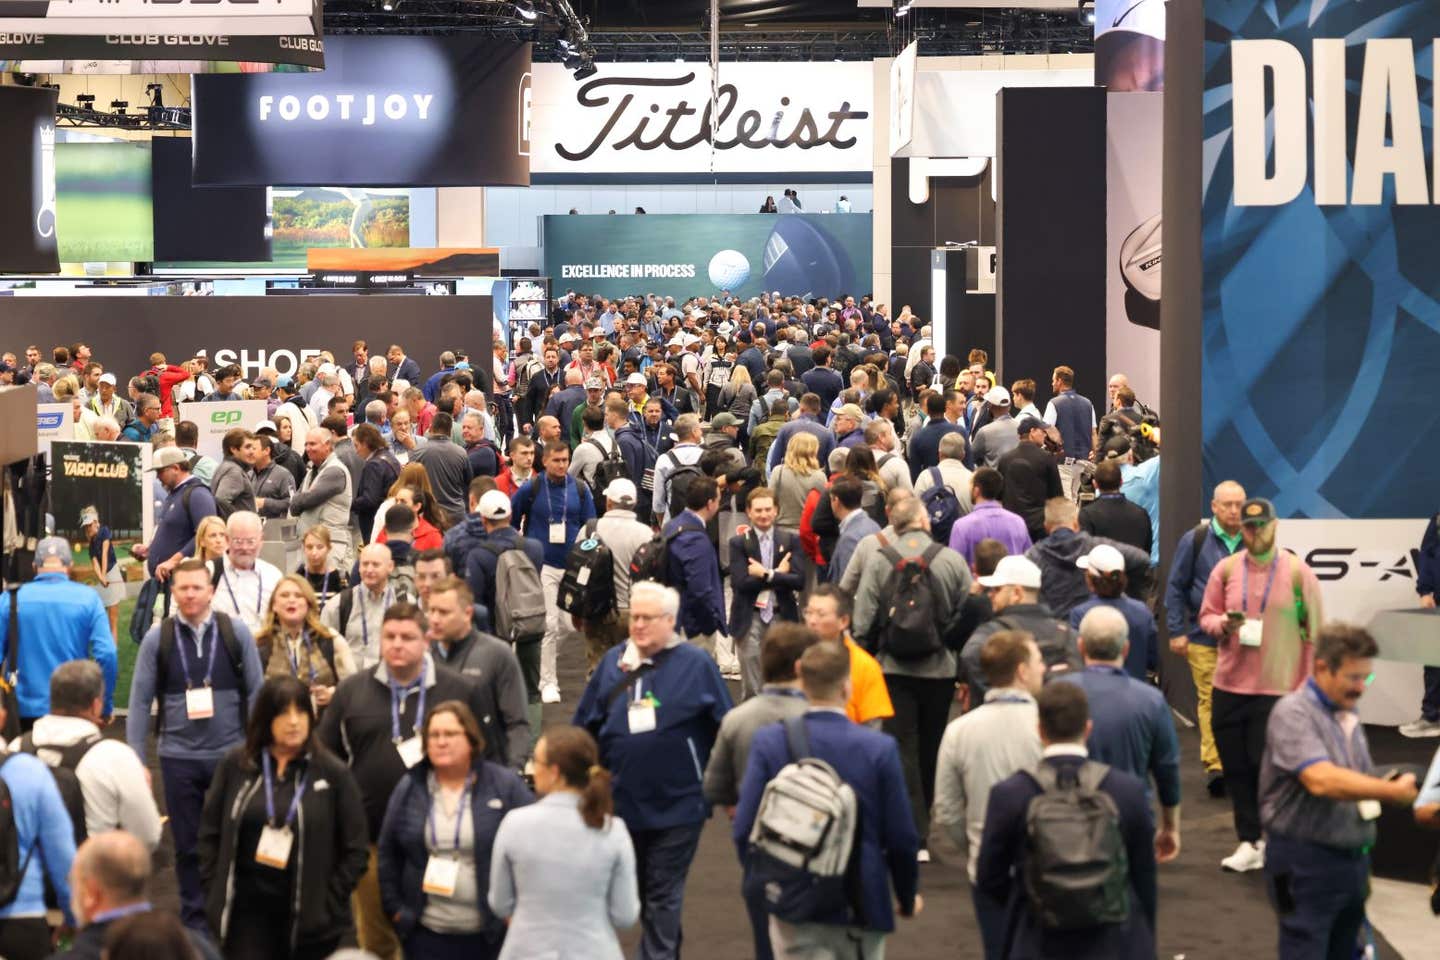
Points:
(223, 418)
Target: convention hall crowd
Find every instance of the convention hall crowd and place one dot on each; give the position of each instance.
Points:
(833, 587)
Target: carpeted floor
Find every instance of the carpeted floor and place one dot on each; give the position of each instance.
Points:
(1204, 913)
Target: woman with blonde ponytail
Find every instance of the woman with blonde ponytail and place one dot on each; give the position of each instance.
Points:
(564, 868)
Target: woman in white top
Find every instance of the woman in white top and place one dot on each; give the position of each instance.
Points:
(563, 870)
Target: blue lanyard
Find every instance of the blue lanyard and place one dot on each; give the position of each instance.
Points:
(309, 659)
(207, 654)
(270, 794)
(550, 501)
(1245, 585)
(459, 813)
(259, 588)
(386, 600)
(128, 911)
(397, 697)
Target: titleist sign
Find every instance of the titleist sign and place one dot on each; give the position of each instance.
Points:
(765, 117)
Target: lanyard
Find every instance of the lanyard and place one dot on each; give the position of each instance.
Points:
(771, 691)
(128, 911)
(295, 658)
(459, 813)
(208, 655)
(1245, 585)
(259, 589)
(397, 697)
(386, 600)
(270, 793)
(324, 588)
(550, 501)
(1009, 699)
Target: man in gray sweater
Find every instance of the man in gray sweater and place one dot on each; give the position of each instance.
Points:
(487, 662)
(447, 466)
(781, 697)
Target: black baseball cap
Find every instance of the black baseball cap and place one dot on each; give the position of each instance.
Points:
(1257, 511)
(1027, 424)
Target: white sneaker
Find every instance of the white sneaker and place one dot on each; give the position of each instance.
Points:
(923, 856)
(1420, 728)
(550, 693)
(1248, 856)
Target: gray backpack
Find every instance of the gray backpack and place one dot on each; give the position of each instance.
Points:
(519, 614)
(1077, 874)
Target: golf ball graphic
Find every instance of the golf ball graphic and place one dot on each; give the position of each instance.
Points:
(729, 269)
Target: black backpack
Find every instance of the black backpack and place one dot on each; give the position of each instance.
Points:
(1077, 874)
(65, 777)
(680, 479)
(652, 560)
(228, 640)
(12, 870)
(911, 628)
(942, 505)
(611, 467)
(588, 587)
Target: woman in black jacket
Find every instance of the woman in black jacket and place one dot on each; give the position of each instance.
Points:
(435, 842)
(282, 837)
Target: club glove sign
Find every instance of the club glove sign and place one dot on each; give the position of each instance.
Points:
(100, 17)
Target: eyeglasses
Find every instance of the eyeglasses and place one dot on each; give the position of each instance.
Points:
(648, 618)
(244, 541)
(445, 734)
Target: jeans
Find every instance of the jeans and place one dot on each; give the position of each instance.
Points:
(922, 708)
(1202, 671)
(662, 859)
(1319, 894)
(186, 782)
(1430, 705)
(1239, 721)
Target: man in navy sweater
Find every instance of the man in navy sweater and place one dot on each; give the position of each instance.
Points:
(869, 762)
(1000, 869)
(693, 564)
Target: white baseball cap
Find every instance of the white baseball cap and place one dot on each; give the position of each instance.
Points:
(636, 380)
(1014, 571)
(1102, 558)
(494, 505)
(108, 378)
(998, 396)
(621, 491)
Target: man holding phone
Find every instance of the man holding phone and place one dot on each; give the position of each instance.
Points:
(1262, 606)
(1320, 800)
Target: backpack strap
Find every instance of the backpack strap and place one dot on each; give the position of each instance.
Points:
(589, 528)
(615, 691)
(1092, 774)
(936, 477)
(71, 756)
(12, 646)
(796, 737)
(931, 552)
(347, 606)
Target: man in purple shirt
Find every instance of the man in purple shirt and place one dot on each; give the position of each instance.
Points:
(988, 519)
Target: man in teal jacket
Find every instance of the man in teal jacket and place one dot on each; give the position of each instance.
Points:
(59, 621)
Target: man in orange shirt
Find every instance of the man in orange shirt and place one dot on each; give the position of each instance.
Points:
(827, 612)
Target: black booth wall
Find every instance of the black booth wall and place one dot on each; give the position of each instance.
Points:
(123, 331)
(1050, 235)
(959, 209)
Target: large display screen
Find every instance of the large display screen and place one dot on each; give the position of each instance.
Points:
(211, 223)
(386, 111)
(103, 205)
(810, 255)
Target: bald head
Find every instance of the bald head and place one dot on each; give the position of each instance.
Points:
(375, 566)
(110, 870)
(573, 377)
(1225, 506)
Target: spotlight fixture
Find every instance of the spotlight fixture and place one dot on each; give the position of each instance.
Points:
(526, 10)
(387, 5)
(903, 10)
(1086, 12)
(86, 101)
(586, 69)
(119, 106)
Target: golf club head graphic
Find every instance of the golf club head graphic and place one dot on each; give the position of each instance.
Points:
(1140, 260)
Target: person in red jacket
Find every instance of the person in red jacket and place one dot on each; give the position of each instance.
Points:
(169, 375)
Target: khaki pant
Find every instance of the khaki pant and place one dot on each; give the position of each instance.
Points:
(1202, 670)
(601, 635)
(372, 928)
(820, 941)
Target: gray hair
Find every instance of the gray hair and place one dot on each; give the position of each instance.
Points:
(1105, 634)
(244, 519)
(687, 426)
(472, 414)
(908, 514)
(107, 423)
(669, 599)
(952, 446)
(375, 411)
(75, 686)
(838, 456)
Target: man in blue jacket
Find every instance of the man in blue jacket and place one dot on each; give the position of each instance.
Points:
(46, 842)
(1000, 869)
(1190, 570)
(552, 508)
(887, 844)
(206, 674)
(693, 564)
(59, 621)
(655, 704)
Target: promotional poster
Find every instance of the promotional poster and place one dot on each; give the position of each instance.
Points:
(387, 111)
(1134, 144)
(805, 255)
(27, 168)
(104, 209)
(214, 420)
(110, 477)
(54, 421)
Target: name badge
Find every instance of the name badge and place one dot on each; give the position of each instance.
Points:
(1369, 809)
(273, 850)
(642, 716)
(762, 600)
(557, 533)
(647, 479)
(440, 876)
(200, 703)
(583, 577)
(411, 751)
(1250, 632)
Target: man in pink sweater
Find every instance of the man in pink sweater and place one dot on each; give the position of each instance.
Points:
(1262, 606)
